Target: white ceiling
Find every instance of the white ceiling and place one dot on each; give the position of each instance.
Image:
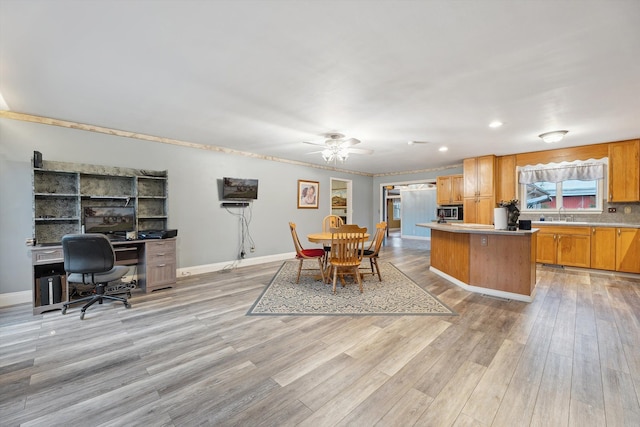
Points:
(263, 76)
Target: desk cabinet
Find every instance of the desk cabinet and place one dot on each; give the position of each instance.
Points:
(47, 262)
(160, 262)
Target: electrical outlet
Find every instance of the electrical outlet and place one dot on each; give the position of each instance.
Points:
(612, 210)
(483, 240)
(253, 248)
(627, 210)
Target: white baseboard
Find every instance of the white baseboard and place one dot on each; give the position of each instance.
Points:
(15, 298)
(210, 268)
(22, 297)
(484, 291)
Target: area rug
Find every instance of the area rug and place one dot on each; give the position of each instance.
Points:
(397, 294)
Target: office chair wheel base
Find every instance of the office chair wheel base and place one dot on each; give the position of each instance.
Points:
(127, 305)
(82, 315)
(64, 310)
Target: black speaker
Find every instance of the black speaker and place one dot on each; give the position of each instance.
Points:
(50, 290)
(37, 159)
(524, 224)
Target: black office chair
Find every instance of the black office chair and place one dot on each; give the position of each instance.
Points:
(89, 259)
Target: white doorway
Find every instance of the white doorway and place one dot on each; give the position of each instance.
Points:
(340, 199)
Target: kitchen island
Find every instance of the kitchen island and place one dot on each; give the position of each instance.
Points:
(480, 259)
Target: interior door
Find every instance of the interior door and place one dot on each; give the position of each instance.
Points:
(341, 200)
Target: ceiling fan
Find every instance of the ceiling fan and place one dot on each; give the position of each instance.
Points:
(337, 148)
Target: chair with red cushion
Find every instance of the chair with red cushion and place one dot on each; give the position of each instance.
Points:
(303, 254)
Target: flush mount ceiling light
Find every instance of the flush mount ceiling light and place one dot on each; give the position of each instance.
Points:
(443, 149)
(555, 136)
(495, 124)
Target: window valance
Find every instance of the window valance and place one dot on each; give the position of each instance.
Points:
(557, 172)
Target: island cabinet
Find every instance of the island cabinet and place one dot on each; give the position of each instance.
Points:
(628, 250)
(603, 248)
(564, 245)
(479, 189)
(450, 189)
(624, 171)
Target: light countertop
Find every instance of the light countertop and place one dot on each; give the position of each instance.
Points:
(586, 224)
(457, 227)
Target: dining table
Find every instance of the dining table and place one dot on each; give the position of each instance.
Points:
(324, 237)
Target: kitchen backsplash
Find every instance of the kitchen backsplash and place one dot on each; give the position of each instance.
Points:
(618, 217)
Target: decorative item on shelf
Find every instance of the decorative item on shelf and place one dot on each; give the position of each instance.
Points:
(513, 212)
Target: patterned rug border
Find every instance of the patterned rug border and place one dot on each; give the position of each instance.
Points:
(411, 282)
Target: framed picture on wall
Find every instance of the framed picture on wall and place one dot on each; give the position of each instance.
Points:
(308, 192)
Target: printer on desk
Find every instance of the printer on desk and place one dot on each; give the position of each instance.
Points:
(157, 234)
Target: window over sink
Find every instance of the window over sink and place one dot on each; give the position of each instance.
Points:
(567, 187)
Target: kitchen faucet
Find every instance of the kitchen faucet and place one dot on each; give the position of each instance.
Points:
(560, 213)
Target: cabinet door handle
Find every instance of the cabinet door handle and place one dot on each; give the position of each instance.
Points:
(161, 254)
(593, 230)
(619, 232)
(554, 237)
(161, 265)
(49, 252)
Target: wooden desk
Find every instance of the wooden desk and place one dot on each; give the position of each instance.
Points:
(154, 261)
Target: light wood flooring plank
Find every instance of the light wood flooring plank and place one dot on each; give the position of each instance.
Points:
(190, 355)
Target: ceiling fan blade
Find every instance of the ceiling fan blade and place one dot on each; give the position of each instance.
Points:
(314, 143)
(360, 151)
(350, 141)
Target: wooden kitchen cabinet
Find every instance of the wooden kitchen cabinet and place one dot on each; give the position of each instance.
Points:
(450, 189)
(564, 245)
(628, 250)
(479, 189)
(603, 248)
(506, 178)
(624, 171)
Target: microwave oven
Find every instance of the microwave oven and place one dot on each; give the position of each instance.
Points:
(450, 212)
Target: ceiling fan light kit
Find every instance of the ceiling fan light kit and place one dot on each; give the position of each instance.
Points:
(337, 148)
(554, 136)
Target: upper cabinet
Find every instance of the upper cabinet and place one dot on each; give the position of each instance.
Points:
(450, 189)
(624, 171)
(506, 178)
(479, 189)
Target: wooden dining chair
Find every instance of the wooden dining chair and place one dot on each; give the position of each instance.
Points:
(329, 223)
(374, 249)
(303, 254)
(347, 248)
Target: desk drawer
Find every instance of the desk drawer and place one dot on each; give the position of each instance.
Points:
(161, 248)
(47, 256)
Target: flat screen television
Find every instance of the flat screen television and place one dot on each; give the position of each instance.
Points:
(109, 219)
(239, 189)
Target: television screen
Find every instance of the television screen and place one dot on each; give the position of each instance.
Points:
(239, 189)
(109, 219)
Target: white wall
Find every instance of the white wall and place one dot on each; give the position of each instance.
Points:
(207, 233)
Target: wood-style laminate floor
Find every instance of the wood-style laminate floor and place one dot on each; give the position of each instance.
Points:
(190, 356)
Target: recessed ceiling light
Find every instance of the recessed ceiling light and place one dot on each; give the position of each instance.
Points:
(443, 149)
(495, 124)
